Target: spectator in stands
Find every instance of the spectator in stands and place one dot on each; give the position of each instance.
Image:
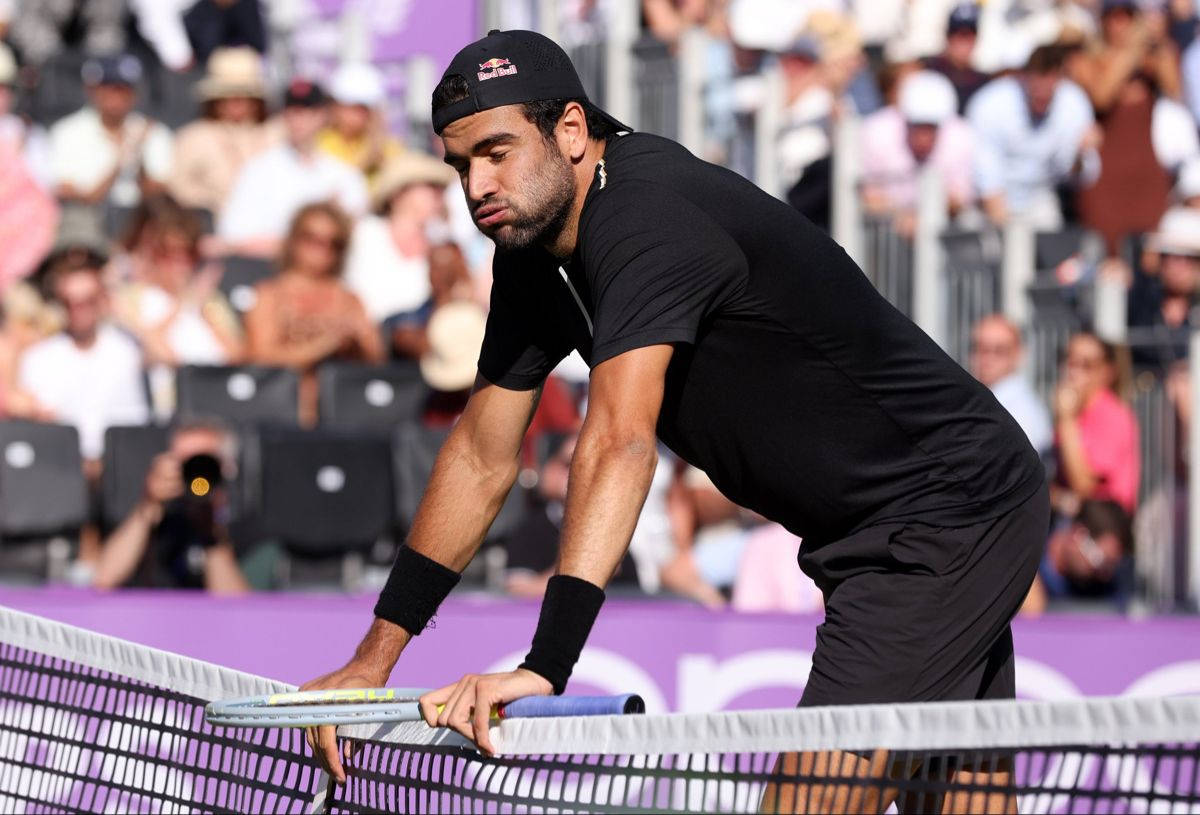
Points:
(38, 27)
(305, 315)
(388, 263)
(357, 132)
(769, 576)
(1096, 433)
(211, 152)
(454, 336)
(900, 141)
(1130, 78)
(449, 280)
(106, 153)
(90, 374)
(1091, 556)
(275, 184)
(27, 139)
(177, 535)
(1033, 132)
(1163, 299)
(175, 309)
(28, 217)
(805, 142)
(962, 32)
(996, 355)
(215, 24)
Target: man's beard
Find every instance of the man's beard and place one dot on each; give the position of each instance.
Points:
(553, 192)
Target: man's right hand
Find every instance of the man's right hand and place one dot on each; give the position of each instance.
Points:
(323, 740)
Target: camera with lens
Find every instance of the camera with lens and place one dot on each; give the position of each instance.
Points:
(203, 503)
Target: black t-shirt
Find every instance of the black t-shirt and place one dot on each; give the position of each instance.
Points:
(800, 391)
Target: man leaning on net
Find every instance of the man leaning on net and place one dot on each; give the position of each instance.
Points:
(718, 319)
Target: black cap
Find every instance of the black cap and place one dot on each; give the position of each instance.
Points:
(1118, 5)
(509, 68)
(116, 69)
(964, 17)
(304, 93)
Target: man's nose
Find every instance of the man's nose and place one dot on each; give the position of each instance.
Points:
(480, 183)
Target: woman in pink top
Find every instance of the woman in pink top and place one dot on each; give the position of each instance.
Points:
(1096, 433)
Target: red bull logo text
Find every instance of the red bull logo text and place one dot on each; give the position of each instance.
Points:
(494, 67)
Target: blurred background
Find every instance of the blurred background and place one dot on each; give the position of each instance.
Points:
(243, 299)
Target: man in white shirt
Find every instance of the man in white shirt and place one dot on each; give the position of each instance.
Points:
(107, 152)
(274, 185)
(996, 352)
(1033, 131)
(90, 374)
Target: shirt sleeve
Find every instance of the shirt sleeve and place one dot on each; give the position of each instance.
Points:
(520, 348)
(244, 214)
(657, 265)
(989, 150)
(156, 154)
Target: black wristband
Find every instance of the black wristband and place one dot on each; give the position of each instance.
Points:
(568, 611)
(414, 590)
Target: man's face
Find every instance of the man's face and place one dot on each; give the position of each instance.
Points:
(351, 120)
(995, 352)
(303, 124)
(113, 102)
(1180, 274)
(196, 441)
(519, 187)
(921, 140)
(1040, 88)
(960, 44)
(81, 296)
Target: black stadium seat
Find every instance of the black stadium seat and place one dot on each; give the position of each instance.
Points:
(325, 492)
(241, 274)
(238, 394)
(128, 452)
(414, 451)
(358, 395)
(42, 489)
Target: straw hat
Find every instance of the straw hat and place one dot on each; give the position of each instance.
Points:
(1178, 233)
(233, 73)
(406, 169)
(455, 333)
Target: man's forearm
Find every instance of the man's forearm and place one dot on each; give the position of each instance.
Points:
(462, 499)
(610, 478)
(121, 552)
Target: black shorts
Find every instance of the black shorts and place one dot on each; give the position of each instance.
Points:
(918, 613)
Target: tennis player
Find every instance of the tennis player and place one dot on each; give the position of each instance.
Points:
(719, 320)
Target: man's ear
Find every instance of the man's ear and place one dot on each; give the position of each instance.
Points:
(572, 132)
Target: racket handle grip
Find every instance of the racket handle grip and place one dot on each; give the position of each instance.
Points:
(545, 706)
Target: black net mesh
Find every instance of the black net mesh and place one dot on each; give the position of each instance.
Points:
(1066, 779)
(74, 738)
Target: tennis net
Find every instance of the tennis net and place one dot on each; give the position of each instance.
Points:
(93, 723)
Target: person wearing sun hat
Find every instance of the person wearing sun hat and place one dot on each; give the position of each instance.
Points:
(357, 133)
(210, 152)
(388, 264)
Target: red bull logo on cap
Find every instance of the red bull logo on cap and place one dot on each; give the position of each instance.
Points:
(494, 67)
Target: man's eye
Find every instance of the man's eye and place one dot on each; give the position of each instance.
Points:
(496, 158)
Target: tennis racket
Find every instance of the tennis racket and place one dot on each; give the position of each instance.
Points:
(369, 705)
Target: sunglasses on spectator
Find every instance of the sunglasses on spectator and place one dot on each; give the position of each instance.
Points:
(323, 239)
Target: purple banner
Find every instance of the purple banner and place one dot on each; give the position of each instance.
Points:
(403, 28)
(677, 656)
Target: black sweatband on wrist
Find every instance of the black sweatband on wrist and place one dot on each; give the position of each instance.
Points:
(414, 590)
(568, 611)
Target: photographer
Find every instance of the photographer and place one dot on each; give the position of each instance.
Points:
(176, 536)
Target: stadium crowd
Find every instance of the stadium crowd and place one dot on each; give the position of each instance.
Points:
(124, 221)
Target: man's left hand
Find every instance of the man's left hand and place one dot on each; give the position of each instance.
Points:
(466, 705)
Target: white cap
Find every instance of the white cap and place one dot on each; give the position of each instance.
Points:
(357, 83)
(1178, 233)
(928, 98)
(8, 66)
(1188, 185)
